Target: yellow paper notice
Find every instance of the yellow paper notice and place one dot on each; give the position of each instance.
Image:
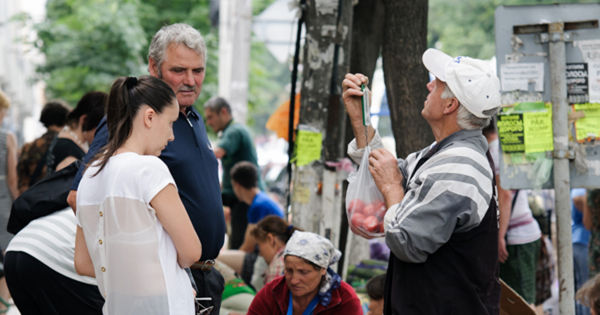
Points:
(589, 126)
(308, 147)
(511, 134)
(538, 131)
(301, 194)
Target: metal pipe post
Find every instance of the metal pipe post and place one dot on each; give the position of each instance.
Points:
(556, 47)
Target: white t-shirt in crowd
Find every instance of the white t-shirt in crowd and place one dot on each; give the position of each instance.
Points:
(134, 258)
(522, 228)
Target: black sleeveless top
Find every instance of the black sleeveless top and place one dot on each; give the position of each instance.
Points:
(64, 148)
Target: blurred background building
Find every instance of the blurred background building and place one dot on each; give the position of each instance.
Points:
(17, 69)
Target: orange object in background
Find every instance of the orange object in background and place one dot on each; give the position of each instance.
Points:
(279, 120)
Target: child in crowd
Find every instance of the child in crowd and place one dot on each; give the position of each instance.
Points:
(375, 288)
(589, 295)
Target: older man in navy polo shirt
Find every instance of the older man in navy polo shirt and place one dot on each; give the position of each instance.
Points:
(177, 55)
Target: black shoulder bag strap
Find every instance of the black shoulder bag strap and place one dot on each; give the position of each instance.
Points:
(514, 200)
(43, 161)
(50, 156)
(491, 161)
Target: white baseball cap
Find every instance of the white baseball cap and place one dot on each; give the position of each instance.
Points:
(471, 80)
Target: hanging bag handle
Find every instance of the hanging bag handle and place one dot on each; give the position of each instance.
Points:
(365, 103)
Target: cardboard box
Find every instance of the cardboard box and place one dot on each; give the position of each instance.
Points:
(511, 303)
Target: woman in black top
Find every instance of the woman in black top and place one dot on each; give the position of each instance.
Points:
(72, 141)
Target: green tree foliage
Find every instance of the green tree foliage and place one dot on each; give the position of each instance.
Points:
(268, 79)
(466, 27)
(88, 43)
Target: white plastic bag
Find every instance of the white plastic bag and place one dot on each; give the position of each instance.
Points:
(365, 206)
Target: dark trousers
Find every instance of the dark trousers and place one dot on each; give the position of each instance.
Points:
(209, 284)
(36, 289)
(239, 220)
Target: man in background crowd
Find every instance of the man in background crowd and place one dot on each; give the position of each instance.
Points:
(235, 145)
(32, 164)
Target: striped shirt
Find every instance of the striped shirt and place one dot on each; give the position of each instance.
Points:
(276, 267)
(449, 193)
(51, 240)
(444, 232)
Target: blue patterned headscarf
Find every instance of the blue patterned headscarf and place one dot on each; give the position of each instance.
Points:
(321, 252)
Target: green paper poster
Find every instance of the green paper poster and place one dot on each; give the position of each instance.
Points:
(590, 124)
(538, 131)
(308, 147)
(510, 131)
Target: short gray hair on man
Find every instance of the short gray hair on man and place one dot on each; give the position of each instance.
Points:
(178, 33)
(216, 104)
(465, 119)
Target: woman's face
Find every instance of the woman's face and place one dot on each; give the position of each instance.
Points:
(301, 277)
(88, 136)
(161, 128)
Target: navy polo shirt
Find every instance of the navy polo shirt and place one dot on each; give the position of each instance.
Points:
(193, 165)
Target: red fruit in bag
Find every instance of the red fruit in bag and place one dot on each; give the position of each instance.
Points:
(356, 205)
(380, 210)
(372, 224)
(369, 210)
(357, 219)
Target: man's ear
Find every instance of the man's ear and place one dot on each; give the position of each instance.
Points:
(451, 106)
(152, 67)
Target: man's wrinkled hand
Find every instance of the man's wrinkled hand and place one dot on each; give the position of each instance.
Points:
(352, 94)
(384, 169)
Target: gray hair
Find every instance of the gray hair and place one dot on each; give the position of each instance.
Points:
(178, 33)
(216, 104)
(465, 119)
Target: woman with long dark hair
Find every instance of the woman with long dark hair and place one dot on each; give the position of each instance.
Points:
(135, 235)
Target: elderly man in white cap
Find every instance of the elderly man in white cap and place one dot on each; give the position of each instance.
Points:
(441, 224)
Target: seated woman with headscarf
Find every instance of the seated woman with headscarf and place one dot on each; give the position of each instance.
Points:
(309, 286)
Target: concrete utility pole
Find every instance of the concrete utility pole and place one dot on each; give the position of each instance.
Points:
(316, 195)
(562, 182)
(235, 21)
